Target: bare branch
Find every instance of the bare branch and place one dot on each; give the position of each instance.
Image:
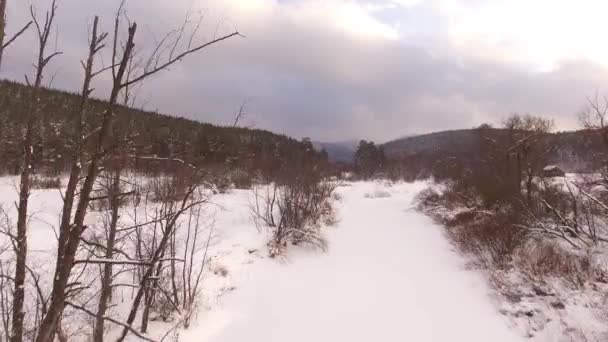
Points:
(178, 58)
(19, 33)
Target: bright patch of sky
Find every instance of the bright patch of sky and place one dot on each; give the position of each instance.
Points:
(540, 34)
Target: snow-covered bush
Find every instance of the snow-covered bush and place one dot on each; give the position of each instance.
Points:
(294, 213)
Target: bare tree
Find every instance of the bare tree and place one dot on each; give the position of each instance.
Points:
(526, 135)
(171, 210)
(44, 32)
(578, 215)
(115, 198)
(575, 216)
(71, 229)
(595, 116)
(4, 43)
(70, 232)
(242, 113)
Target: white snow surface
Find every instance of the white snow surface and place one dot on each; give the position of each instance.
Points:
(389, 275)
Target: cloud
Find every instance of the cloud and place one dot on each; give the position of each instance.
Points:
(539, 33)
(336, 70)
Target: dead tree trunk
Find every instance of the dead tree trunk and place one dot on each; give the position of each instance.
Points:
(25, 179)
(70, 232)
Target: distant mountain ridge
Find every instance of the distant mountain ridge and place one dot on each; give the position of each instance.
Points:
(573, 151)
(454, 140)
(338, 152)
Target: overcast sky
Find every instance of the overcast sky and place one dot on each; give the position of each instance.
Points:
(337, 69)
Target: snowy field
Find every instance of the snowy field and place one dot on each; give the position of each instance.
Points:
(389, 274)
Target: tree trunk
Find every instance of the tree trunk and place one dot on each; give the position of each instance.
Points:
(2, 28)
(146, 312)
(73, 232)
(106, 279)
(22, 210)
(529, 184)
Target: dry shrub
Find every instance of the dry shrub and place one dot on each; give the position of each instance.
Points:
(294, 213)
(241, 179)
(298, 203)
(301, 211)
(162, 308)
(168, 188)
(491, 236)
(42, 182)
(500, 235)
(428, 198)
(222, 184)
(453, 196)
(328, 215)
(547, 258)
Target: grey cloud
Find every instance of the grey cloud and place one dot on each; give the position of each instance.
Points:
(309, 79)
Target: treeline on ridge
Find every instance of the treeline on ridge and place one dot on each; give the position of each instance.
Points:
(149, 135)
(452, 154)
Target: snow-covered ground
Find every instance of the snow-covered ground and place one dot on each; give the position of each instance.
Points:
(388, 275)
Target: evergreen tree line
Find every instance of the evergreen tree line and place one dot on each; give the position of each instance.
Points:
(370, 159)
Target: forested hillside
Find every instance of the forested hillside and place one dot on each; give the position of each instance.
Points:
(140, 133)
(454, 151)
